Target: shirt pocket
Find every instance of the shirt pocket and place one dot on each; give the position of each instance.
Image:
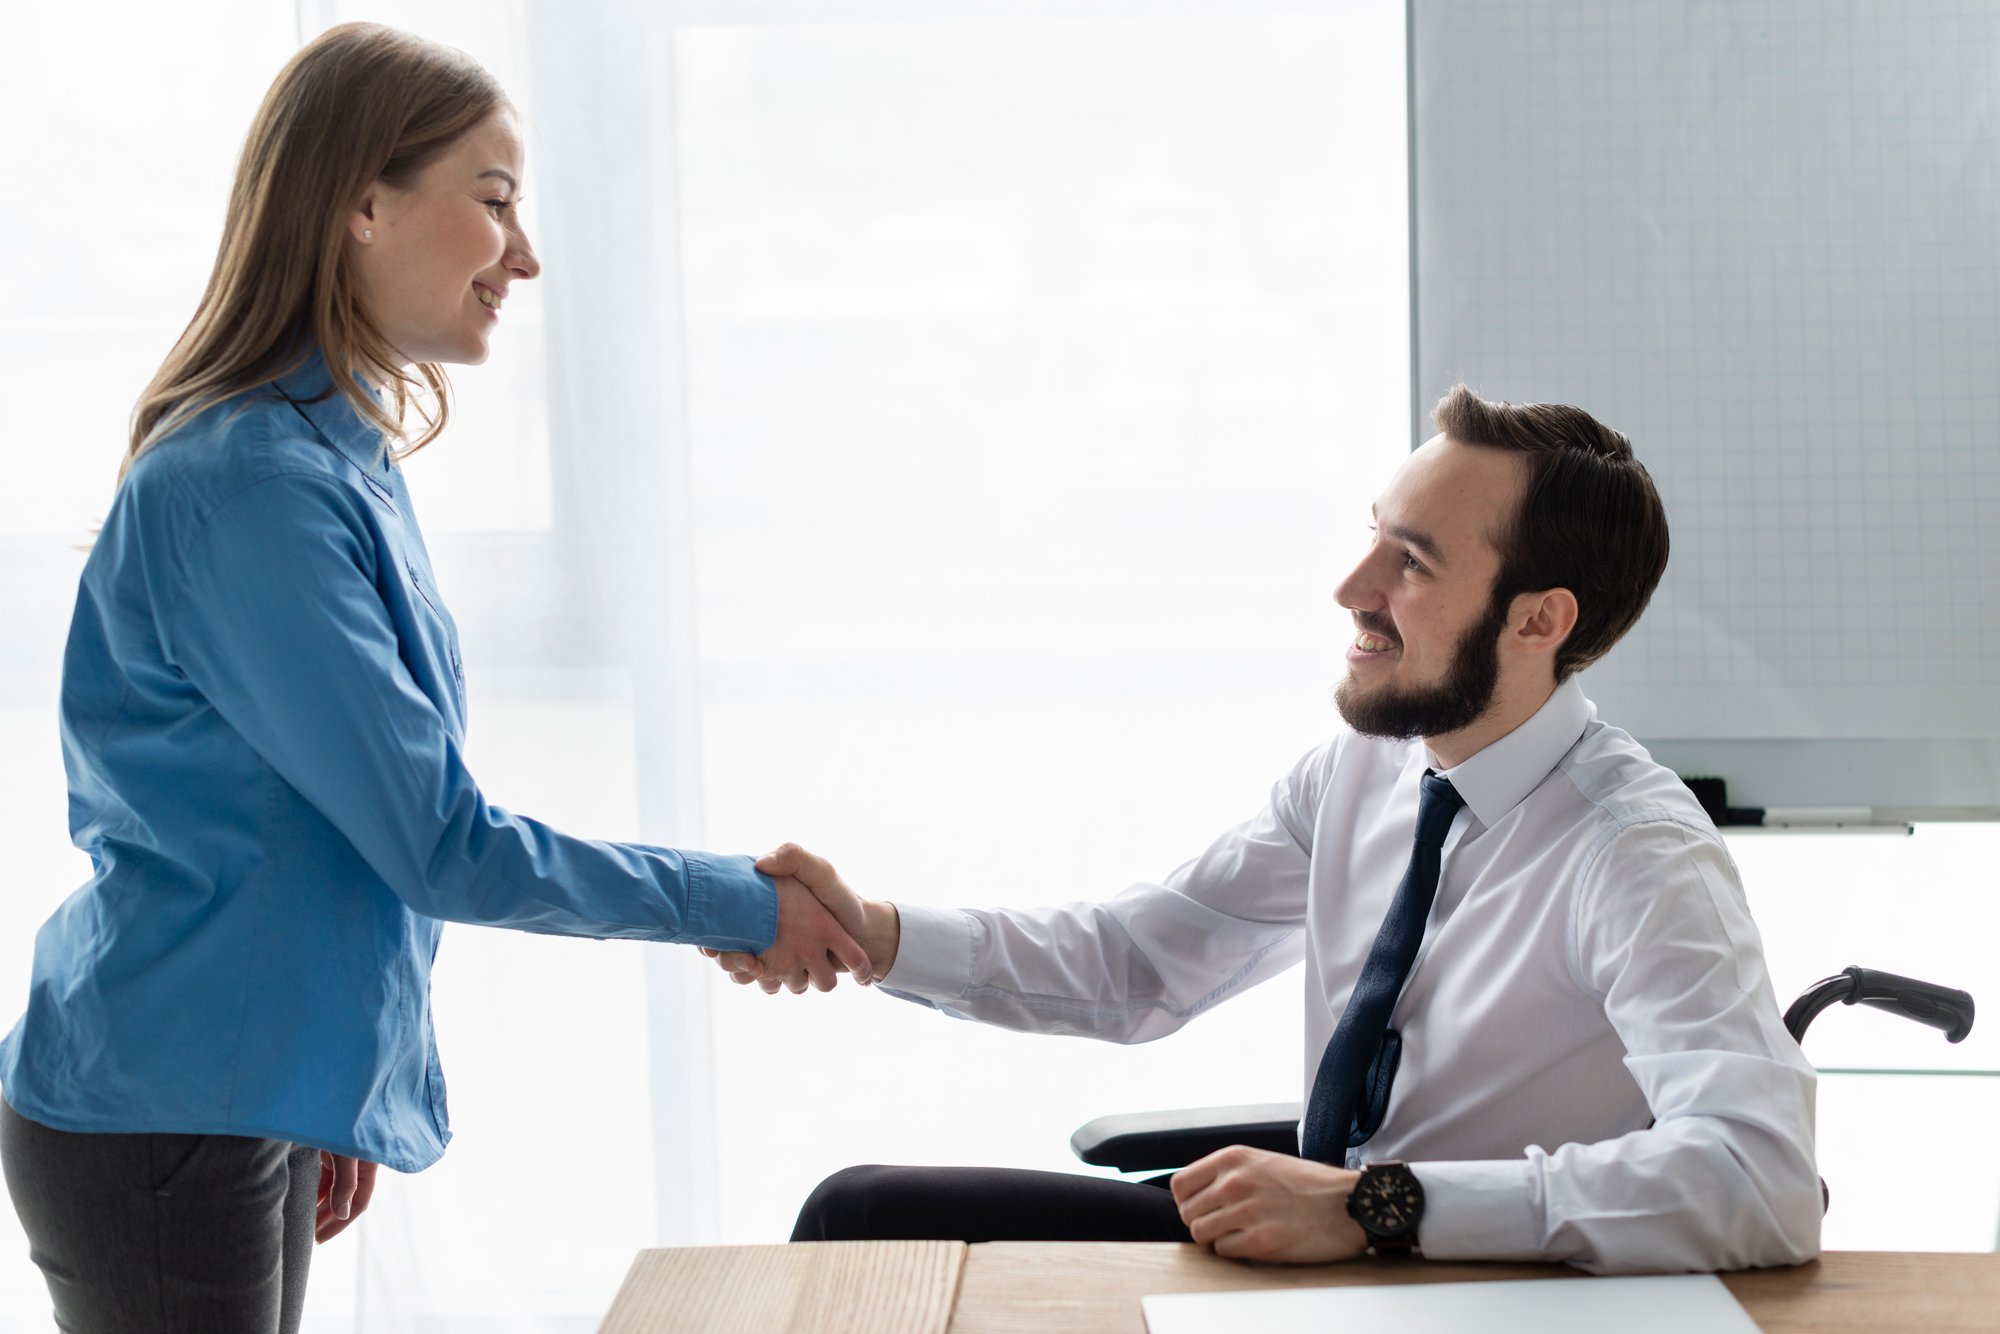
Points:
(447, 630)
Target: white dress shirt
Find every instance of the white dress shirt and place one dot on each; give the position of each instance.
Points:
(1589, 967)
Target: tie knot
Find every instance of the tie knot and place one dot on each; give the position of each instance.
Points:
(1435, 811)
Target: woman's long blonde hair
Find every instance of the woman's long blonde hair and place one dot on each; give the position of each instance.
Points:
(358, 104)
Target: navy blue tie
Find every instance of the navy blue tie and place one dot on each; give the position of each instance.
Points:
(1351, 1090)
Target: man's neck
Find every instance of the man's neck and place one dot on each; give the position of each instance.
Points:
(1512, 706)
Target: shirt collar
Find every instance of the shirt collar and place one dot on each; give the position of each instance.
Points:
(310, 390)
(1501, 775)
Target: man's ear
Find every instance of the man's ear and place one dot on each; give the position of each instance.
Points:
(1540, 622)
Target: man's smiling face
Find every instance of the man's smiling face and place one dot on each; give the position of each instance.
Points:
(1425, 659)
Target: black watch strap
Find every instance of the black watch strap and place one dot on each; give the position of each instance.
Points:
(1388, 1203)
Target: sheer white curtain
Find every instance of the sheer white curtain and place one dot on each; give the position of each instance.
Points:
(1042, 360)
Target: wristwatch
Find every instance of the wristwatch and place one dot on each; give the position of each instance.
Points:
(1388, 1202)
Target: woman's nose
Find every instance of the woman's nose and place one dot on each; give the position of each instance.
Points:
(521, 260)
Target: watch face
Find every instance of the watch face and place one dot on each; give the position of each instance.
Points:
(1388, 1201)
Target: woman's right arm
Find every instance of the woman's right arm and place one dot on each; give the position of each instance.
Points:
(275, 617)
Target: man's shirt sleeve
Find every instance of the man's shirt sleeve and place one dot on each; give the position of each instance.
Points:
(1138, 966)
(276, 620)
(1725, 1177)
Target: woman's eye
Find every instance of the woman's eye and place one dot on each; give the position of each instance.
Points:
(1412, 564)
(500, 205)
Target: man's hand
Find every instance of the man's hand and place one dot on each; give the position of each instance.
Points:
(875, 927)
(1250, 1204)
(345, 1187)
(812, 947)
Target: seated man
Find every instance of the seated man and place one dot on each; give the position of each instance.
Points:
(1538, 1022)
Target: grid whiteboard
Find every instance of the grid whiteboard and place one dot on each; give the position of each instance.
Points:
(1762, 239)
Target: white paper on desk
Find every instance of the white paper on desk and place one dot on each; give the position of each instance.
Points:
(1673, 1304)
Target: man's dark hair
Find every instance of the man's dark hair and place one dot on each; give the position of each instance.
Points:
(1589, 520)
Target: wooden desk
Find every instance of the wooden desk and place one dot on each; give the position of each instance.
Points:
(1094, 1288)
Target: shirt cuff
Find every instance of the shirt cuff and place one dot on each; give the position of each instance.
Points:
(1478, 1211)
(730, 904)
(934, 953)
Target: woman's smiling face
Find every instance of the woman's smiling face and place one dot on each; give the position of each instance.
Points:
(434, 262)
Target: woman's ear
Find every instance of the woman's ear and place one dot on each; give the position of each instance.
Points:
(361, 221)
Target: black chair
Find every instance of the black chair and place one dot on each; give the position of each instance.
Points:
(1162, 1141)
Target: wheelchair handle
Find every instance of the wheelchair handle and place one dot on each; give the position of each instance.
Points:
(1946, 1009)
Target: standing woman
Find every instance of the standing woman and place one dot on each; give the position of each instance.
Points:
(228, 1027)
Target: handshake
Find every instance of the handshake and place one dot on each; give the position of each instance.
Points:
(824, 929)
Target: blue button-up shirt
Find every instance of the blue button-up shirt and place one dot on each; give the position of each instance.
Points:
(263, 712)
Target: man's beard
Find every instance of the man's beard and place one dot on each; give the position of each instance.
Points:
(1456, 702)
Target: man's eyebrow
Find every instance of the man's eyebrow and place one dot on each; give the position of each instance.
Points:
(504, 175)
(1422, 541)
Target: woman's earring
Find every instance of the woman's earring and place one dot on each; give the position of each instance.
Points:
(367, 233)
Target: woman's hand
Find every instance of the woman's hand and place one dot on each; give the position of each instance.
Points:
(876, 927)
(812, 947)
(345, 1187)
(855, 935)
